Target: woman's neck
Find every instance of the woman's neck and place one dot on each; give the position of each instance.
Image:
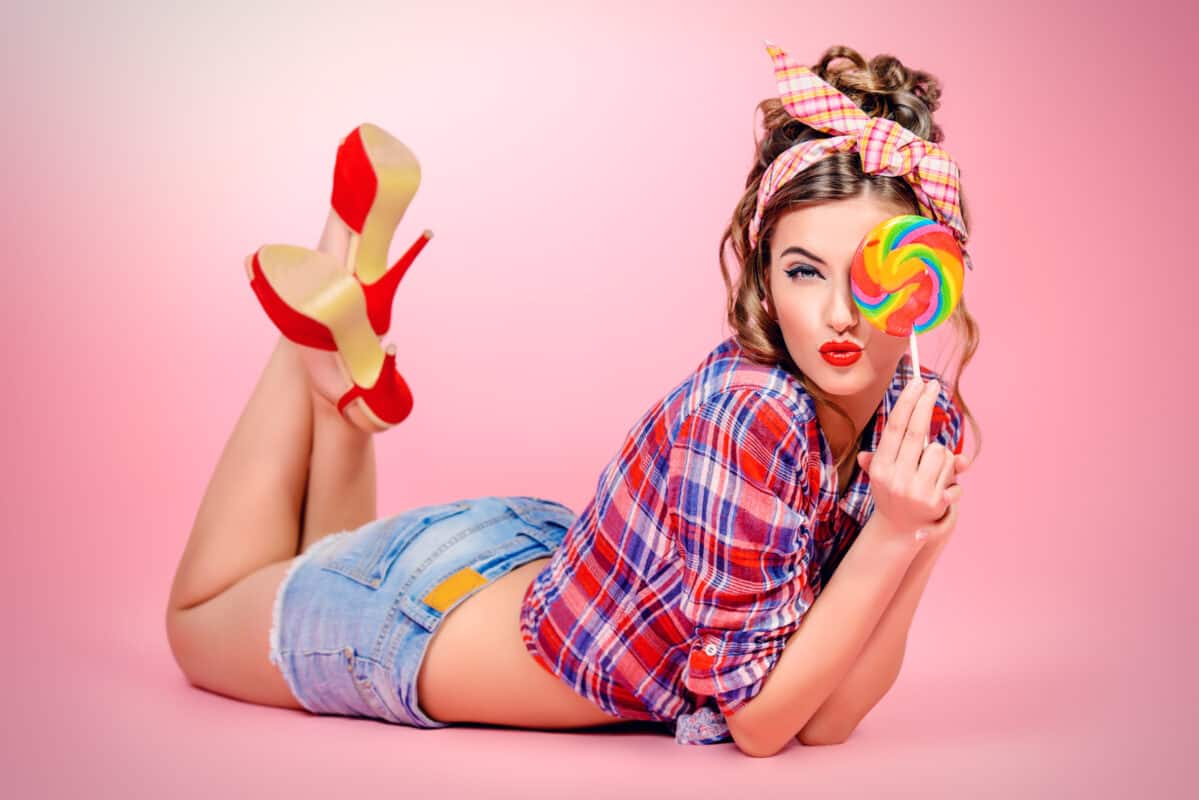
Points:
(861, 408)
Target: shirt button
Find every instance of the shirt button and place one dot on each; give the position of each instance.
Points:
(710, 648)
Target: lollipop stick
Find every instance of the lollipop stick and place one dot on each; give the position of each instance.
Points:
(916, 366)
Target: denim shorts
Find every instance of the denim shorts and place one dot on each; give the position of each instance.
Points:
(354, 614)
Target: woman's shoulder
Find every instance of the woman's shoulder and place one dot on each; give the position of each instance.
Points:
(746, 418)
(729, 378)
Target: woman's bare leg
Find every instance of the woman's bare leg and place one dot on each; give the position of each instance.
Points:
(341, 478)
(292, 471)
(250, 512)
(242, 541)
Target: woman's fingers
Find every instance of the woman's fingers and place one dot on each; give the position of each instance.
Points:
(932, 476)
(959, 464)
(897, 422)
(947, 473)
(928, 471)
(945, 476)
(943, 524)
(912, 446)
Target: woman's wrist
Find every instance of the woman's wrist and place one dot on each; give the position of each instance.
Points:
(883, 534)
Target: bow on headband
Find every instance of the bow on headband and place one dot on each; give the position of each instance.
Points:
(885, 146)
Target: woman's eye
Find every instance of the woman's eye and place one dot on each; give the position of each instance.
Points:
(802, 269)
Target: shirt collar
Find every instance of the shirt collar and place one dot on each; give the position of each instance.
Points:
(857, 501)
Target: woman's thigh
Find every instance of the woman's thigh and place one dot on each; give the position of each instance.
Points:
(221, 644)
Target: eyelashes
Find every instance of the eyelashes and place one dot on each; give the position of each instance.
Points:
(802, 269)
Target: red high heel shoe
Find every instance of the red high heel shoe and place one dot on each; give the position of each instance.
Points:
(313, 302)
(375, 177)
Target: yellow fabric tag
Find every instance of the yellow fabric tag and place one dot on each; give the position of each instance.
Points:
(446, 593)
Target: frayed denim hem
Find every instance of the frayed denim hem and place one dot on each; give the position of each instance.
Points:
(274, 654)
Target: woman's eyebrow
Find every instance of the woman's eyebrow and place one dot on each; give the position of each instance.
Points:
(797, 249)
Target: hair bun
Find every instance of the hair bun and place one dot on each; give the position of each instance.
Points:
(885, 87)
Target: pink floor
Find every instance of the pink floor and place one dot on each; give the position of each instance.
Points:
(1003, 709)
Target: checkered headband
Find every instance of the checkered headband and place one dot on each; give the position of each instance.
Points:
(885, 146)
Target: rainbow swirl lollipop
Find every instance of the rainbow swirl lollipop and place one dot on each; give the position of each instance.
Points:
(907, 275)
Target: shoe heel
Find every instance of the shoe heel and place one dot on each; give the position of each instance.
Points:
(380, 295)
(375, 177)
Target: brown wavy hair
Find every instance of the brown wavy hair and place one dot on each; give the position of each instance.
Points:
(882, 87)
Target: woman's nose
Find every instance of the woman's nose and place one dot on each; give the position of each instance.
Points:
(843, 311)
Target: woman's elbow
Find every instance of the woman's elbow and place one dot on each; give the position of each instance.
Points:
(747, 741)
(743, 738)
(755, 749)
(821, 738)
(819, 732)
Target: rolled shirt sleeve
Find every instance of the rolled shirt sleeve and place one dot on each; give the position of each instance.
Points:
(743, 537)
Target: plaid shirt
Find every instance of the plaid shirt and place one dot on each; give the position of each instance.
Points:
(711, 533)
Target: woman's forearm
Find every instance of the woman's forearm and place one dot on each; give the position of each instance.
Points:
(877, 667)
(828, 641)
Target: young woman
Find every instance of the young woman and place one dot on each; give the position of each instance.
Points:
(779, 482)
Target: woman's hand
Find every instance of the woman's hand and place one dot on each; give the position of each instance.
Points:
(914, 487)
(936, 534)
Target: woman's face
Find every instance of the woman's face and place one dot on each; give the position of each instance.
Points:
(808, 279)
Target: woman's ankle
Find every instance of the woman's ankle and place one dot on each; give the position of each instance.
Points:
(335, 239)
(352, 425)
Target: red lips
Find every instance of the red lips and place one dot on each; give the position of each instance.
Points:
(840, 354)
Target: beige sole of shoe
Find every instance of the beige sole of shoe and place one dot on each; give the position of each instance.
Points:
(398, 174)
(316, 285)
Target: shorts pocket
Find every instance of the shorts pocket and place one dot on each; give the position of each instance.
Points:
(538, 527)
(368, 555)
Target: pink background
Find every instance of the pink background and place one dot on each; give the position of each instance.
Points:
(149, 149)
